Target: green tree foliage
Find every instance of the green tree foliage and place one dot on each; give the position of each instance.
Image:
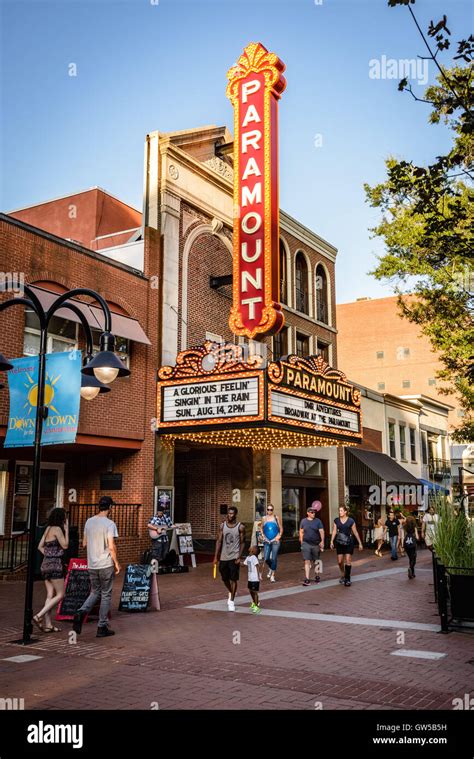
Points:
(428, 221)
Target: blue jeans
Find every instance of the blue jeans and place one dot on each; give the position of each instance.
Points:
(270, 554)
(393, 546)
(102, 581)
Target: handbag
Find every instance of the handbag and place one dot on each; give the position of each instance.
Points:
(343, 539)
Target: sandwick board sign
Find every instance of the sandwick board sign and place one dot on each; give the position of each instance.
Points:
(77, 589)
(185, 538)
(140, 587)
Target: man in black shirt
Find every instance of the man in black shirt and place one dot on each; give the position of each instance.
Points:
(312, 543)
(392, 525)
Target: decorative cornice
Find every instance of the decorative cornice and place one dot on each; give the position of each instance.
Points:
(208, 359)
(220, 167)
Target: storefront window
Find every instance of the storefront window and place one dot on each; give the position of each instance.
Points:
(290, 511)
(122, 347)
(412, 444)
(302, 345)
(403, 442)
(301, 467)
(391, 440)
(280, 344)
(62, 335)
(21, 501)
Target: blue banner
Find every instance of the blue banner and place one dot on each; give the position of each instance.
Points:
(61, 396)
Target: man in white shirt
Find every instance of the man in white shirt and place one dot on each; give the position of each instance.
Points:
(102, 564)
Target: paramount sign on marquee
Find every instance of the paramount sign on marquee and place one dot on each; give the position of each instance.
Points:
(255, 86)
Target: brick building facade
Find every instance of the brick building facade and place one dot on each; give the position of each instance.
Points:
(188, 199)
(115, 432)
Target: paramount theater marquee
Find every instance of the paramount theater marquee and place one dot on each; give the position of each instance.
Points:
(213, 395)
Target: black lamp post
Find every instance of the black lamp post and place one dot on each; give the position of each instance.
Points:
(105, 367)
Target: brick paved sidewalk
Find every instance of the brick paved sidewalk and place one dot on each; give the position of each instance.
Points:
(292, 656)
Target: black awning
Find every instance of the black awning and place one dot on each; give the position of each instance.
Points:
(371, 468)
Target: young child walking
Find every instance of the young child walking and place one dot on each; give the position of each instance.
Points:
(253, 567)
(411, 539)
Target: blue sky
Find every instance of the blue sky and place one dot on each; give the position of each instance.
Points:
(143, 66)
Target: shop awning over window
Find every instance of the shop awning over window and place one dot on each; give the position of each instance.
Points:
(372, 468)
(122, 326)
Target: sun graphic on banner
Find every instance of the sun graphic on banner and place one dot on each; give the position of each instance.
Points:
(49, 393)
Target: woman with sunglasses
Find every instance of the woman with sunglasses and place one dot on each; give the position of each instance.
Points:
(271, 545)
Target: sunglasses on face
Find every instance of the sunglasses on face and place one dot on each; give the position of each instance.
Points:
(269, 509)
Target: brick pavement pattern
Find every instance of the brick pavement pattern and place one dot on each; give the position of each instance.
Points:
(195, 658)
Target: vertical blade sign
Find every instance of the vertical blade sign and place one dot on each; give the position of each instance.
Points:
(255, 86)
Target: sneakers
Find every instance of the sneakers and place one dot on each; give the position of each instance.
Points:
(347, 583)
(104, 632)
(269, 574)
(230, 605)
(306, 582)
(342, 580)
(272, 578)
(317, 579)
(79, 617)
(256, 609)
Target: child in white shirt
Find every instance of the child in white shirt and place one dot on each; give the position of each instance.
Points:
(253, 585)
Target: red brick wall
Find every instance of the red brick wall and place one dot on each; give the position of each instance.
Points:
(127, 411)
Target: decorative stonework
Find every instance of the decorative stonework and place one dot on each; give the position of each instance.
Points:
(173, 171)
(188, 220)
(220, 167)
(217, 226)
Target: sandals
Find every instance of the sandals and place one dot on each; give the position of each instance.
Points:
(37, 621)
(52, 629)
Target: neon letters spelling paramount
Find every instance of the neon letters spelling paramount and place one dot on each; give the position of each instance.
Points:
(255, 86)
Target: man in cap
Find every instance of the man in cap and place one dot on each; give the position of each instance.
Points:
(102, 564)
(312, 543)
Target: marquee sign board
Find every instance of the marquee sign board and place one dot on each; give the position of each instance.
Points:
(214, 396)
(221, 399)
(255, 86)
(309, 393)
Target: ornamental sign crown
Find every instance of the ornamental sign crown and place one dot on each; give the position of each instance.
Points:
(255, 86)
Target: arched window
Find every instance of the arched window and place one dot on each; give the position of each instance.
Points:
(301, 281)
(283, 275)
(322, 301)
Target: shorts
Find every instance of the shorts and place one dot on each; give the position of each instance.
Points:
(340, 549)
(229, 570)
(253, 585)
(310, 552)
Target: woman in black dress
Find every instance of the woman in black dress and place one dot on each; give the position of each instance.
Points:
(52, 545)
(343, 534)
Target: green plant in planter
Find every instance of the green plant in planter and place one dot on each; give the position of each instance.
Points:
(453, 539)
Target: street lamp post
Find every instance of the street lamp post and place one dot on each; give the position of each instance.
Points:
(110, 366)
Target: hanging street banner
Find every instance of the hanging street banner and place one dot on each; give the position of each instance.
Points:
(216, 396)
(255, 86)
(61, 396)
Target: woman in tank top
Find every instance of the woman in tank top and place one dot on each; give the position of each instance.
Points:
(271, 546)
(52, 545)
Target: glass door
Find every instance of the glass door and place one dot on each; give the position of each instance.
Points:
(48, 498)
(291, 501)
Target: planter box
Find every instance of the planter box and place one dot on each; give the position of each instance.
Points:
(461, 593)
